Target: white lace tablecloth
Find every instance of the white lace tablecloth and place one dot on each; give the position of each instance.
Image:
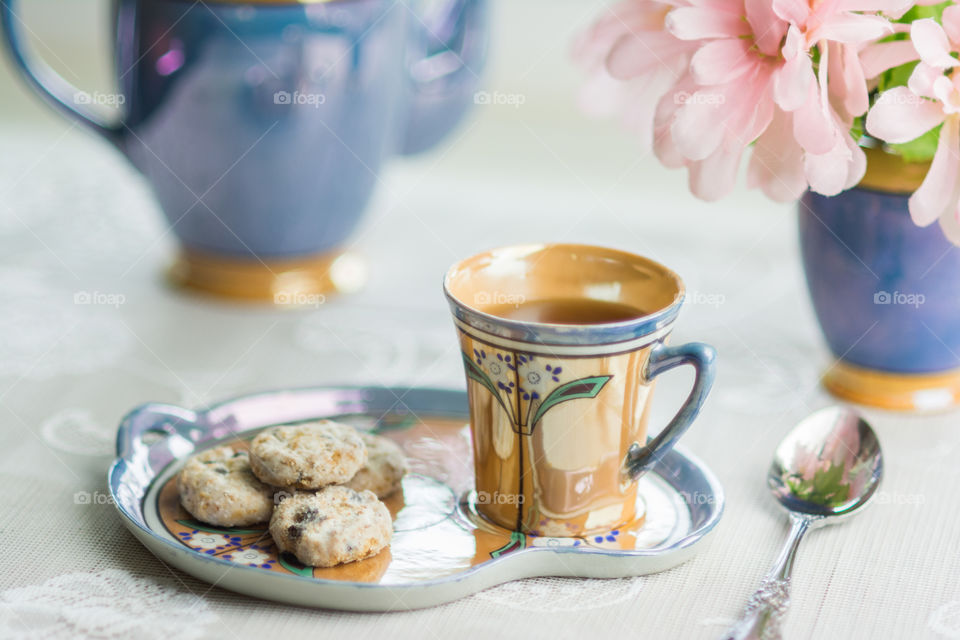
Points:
(88, 329)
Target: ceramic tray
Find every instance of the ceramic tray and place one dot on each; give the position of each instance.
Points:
(441, 550)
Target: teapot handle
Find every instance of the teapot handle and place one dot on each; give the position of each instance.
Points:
(450, 51)
(59, 93)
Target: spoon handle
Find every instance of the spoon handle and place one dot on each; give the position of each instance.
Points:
(763, 616)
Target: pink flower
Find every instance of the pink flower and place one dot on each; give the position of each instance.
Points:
(783, 169)
(832, 25)
(931, 98)
(819, 108)
(632, 62)
(702, 80)
(724, 99)
(842, 445)
(753, 81)
(806, 462)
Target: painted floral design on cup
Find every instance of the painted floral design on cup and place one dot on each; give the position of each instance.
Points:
(525, 385)
(499, 368)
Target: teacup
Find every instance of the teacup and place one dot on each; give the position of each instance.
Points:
(561, 344)
(262, 125)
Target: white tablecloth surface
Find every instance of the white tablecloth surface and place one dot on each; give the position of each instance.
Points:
(75, 220)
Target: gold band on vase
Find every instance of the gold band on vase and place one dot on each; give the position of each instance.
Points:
(890, 173)
(894, 391)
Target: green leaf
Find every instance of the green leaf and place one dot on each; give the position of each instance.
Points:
(919, 12)
(199, 526)
(582, 388)
(922, 149)
(825, 480)
(826, 488)
(857, 128)
(896, 77)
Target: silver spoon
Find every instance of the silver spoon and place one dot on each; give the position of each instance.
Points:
(827, 467)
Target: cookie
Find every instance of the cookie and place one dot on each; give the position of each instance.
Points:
(385, 468)
(219, 488)
(332, 526)
(307, 456)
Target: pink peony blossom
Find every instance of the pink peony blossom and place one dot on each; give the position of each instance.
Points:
(930, 99)
(725, 74)
(725, 100)
(632, 62)
(819, 108)
(832, 25)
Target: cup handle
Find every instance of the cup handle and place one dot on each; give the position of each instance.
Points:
(54, 89)
(702, 357)
(445, 72)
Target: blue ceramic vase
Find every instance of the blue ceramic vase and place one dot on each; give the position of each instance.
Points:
(886, 292)
(262, 125)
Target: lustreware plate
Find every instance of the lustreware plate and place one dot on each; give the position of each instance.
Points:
(441, 549)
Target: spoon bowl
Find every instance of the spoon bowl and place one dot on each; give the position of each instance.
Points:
(829, 465)
(827, 468)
